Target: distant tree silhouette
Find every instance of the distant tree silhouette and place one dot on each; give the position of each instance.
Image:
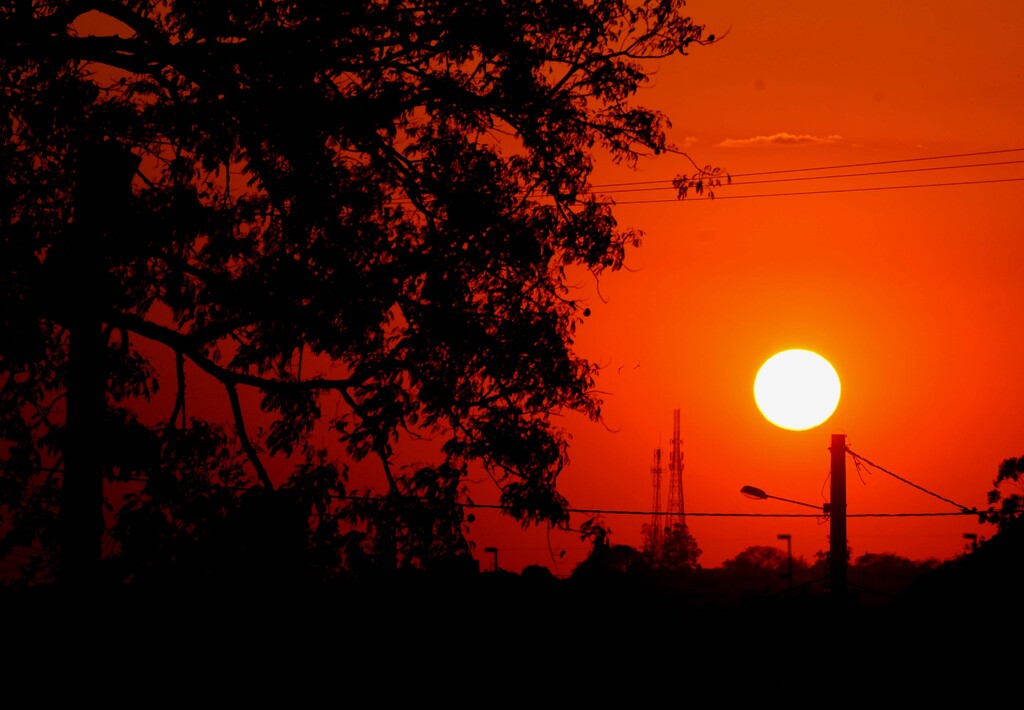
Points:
(886, 575)
(1006, 510)
(677, 549)
(990, 574)
(606, 558)
(875, 579)
(367, 215)
(761, 570)
(612, 559)
(760, 560)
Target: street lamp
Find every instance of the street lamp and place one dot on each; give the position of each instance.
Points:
(758, 494)
(789, 556)
(494, 551)
(753, 492)
(835, 509)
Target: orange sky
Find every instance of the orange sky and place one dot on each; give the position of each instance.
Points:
(913, 294)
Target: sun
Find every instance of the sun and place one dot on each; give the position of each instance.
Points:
(797, 389)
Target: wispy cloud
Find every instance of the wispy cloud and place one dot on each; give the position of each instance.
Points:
(778, 139)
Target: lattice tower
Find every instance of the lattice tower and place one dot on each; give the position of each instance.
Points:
(676, 511)
(656, 521)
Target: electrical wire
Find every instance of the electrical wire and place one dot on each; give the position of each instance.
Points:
(604, 511)
(821, 192)
(734, 180)
(875, 173)
(974, 154)
(858, 457)
(841, 166)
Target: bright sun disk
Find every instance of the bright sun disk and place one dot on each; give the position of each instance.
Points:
(797, 389)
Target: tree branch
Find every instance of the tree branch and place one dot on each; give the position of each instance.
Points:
(188, 346)
(250, 450)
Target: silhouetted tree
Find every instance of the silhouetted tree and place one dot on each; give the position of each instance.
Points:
(885, 575)
(651, 537)
(677, 549)
(990, 575)
(369, 215)
(759, 560)
(761, 569)
(1005, 509)
(605, 557)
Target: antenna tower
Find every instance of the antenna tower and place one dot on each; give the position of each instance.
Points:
(676, 511)
(656, 506)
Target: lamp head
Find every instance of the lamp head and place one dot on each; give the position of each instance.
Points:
(752, 492)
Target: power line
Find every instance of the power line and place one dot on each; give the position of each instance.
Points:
(831, 177)
(823, 192)
(773, 515)
(859, 458)
(605, 511)
(610, 189)
(884, 172)
(886, 162)
(840, 166)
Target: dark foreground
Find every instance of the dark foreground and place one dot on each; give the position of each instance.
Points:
(430, 637)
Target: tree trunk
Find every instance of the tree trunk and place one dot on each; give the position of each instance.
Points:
(101, 200)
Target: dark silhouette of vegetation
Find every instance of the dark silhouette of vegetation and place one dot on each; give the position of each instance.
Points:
(1006, 510)
(878, 578)
(606, 558)
(671, 548)
(761, 559)
(357, 219)
(990, 574)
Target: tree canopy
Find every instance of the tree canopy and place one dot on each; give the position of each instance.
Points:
(671, 548)
(369, 214)
(1006, 509)
(759, 559)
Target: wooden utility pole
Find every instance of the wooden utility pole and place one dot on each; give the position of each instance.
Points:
(837, 518)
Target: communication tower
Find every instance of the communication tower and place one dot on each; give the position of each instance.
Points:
(656, 506)
(676, 511)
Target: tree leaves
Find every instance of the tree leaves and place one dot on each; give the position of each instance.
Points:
(378, 203)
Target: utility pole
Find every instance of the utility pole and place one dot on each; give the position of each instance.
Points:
(837, 519)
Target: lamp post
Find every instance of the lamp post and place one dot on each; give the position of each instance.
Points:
(753, 492)
(494, 551)
(835, 509)
(789, 558)
(758, 494)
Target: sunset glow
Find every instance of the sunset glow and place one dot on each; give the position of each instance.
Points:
(869, 226)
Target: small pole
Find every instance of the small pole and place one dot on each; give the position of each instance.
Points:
(837, 547)
(789, 556)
